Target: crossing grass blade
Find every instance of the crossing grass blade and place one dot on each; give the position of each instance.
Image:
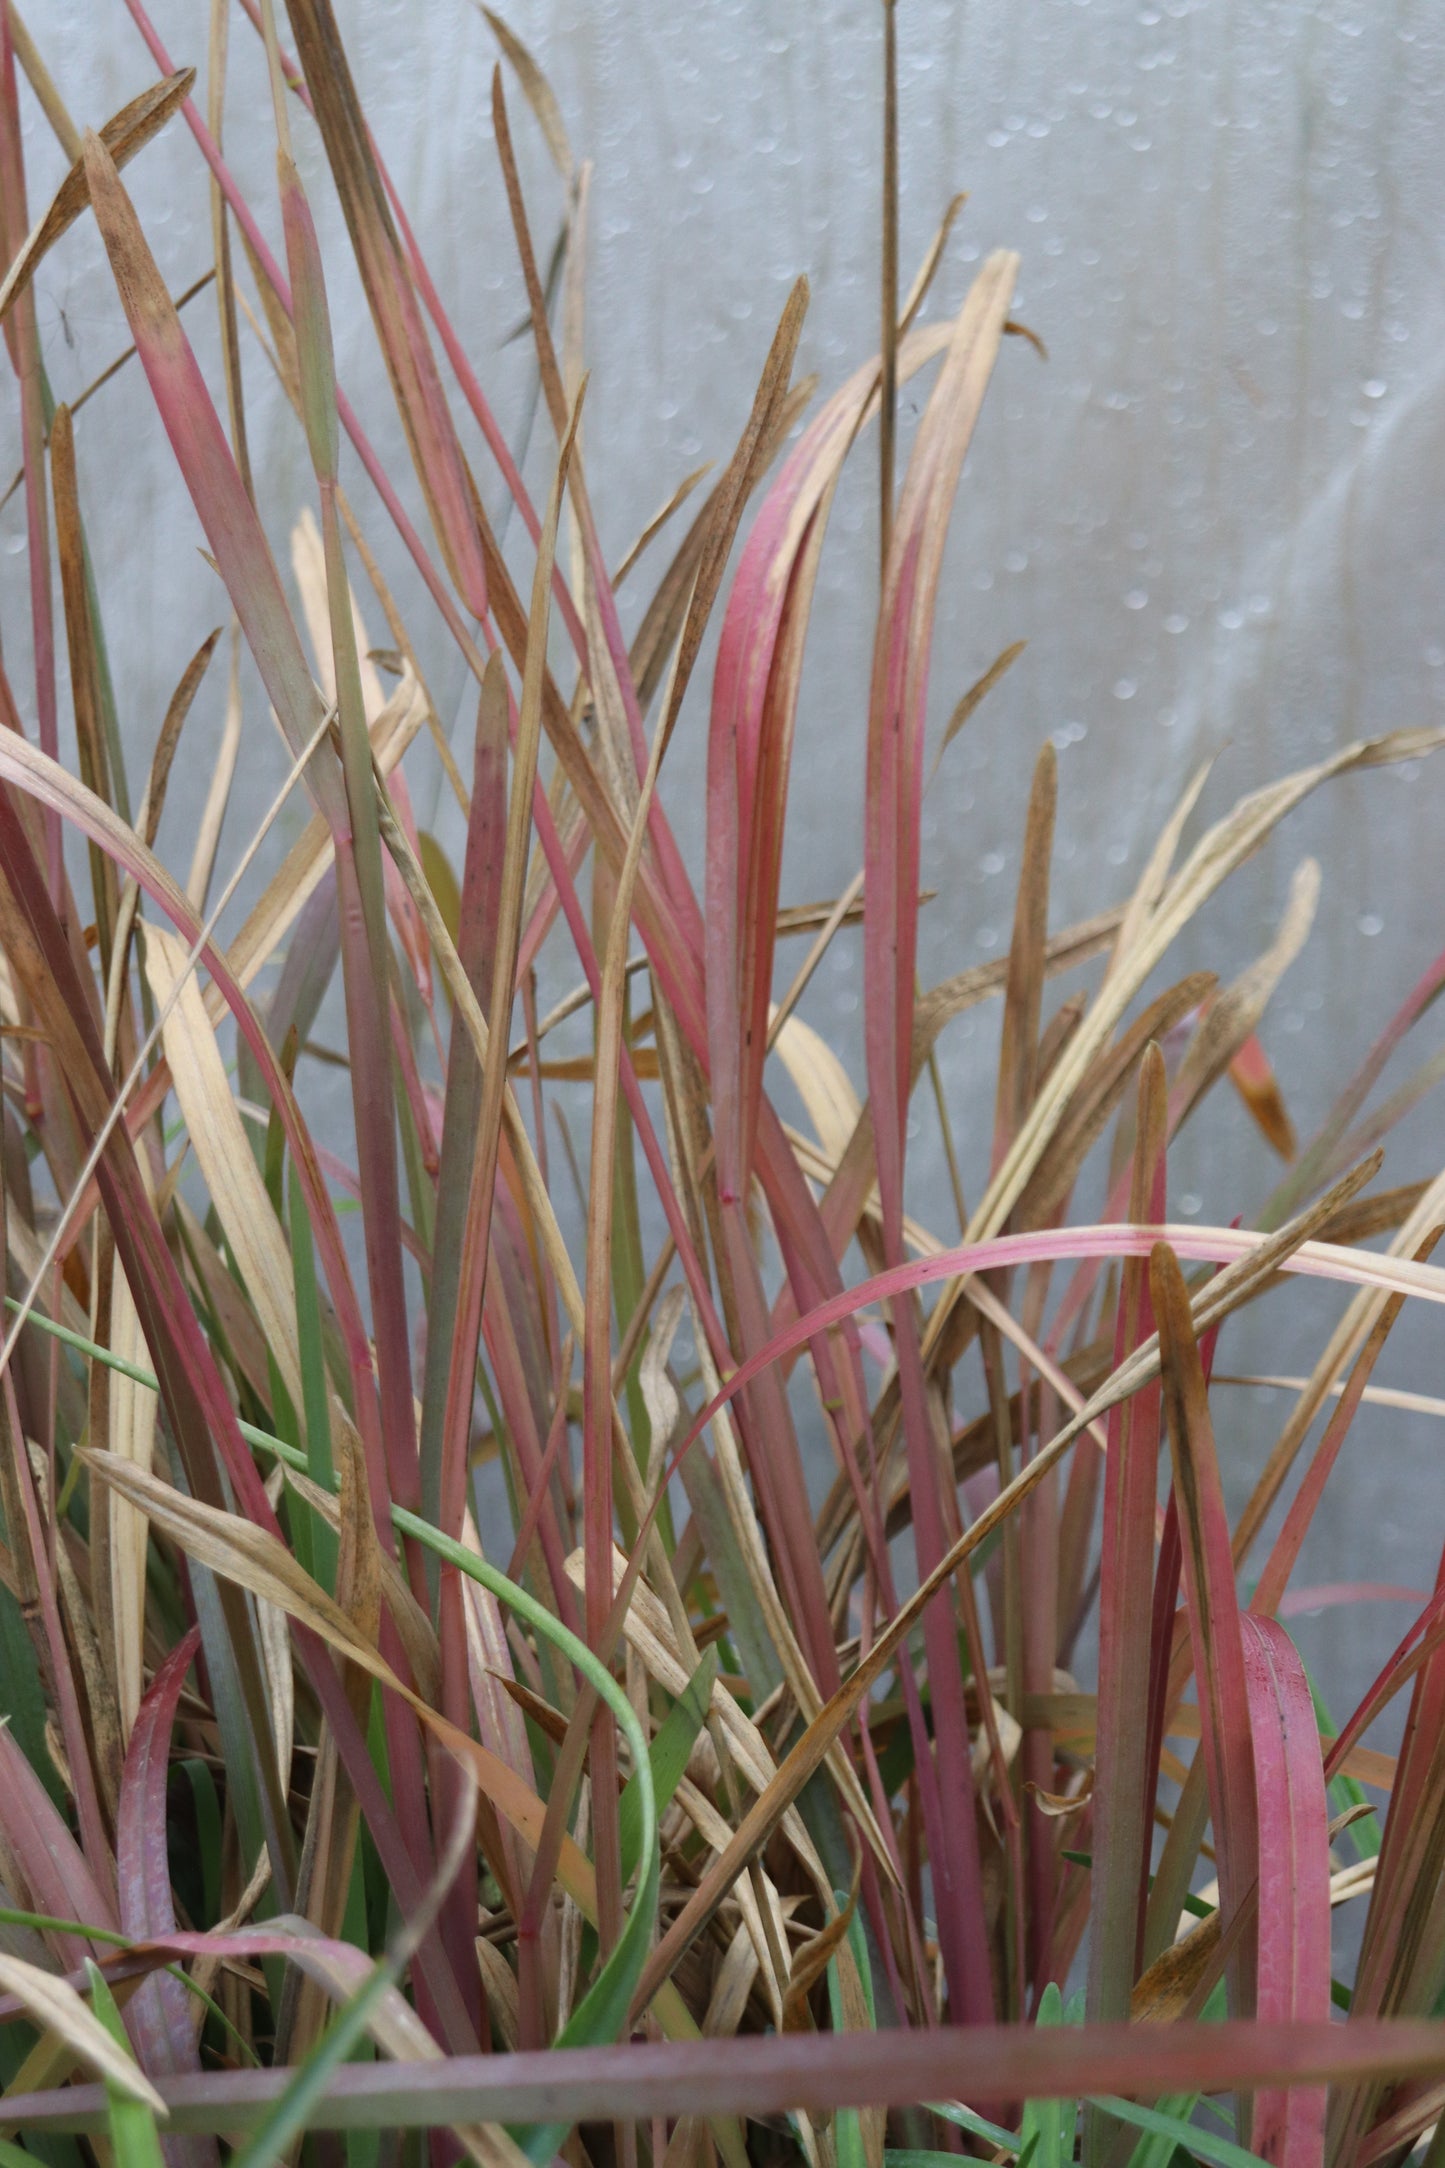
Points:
(724, 1822)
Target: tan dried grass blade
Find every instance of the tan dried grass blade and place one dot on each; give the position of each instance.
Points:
(218, 1139)
(125, 133)
(57, 2008)
(132, 1432)
(1225, 847)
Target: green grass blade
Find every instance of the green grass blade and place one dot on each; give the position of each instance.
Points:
(1048, 2125)
(316, 1410)
(132, 2124)
(1206, 2145)
(978, 2126)
(289, 2115)
(671, 1746)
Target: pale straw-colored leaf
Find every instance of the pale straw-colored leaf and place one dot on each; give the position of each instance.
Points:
(56, 2008)
(308, 564)
(218, 791)
(218, 1138)
(133, 1412)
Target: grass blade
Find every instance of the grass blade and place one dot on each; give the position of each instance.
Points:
(1124, 1771)
(1294, 1877)
(1214, 1619)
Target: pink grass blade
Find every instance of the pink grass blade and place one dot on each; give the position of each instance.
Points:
(1225, 1740)
(897, 711)
(754, 708)
(22, 1492)
(1213, 1245)
(1294, 1879)
(1252, 1075)
(421, 403)
(1398, 1966)
(202, 1415)
(683, 925)
(749, 745)
(23, 340)
(248, 568)
(670, 928)
(1124, 1774)
(161, 2017)
(754, 712)
(480, 907)
(598, 1423)
(1284, 1554)
(500, 933)
(361, 893)
(505, 937)
(242, 553)
(195, 1398)
(270, 272)
(770, 2075)
(42, 1861)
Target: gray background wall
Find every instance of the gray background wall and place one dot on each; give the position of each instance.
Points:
(1214, 514)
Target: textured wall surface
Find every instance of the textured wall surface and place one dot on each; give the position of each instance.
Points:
(1214, 513)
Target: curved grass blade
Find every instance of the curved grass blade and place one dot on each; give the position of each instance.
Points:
(161, 2022)
(1294, 1877)
(133, 2131)
(261, 1563)
(125, 133)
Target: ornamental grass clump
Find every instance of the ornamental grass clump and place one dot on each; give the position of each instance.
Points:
(702, 1813)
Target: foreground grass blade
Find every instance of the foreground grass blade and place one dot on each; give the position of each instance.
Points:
(1294, 1877)
(132, 2120)
(771, 2075)
(55, 2006)
(260, 1562)
(160, 2014)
